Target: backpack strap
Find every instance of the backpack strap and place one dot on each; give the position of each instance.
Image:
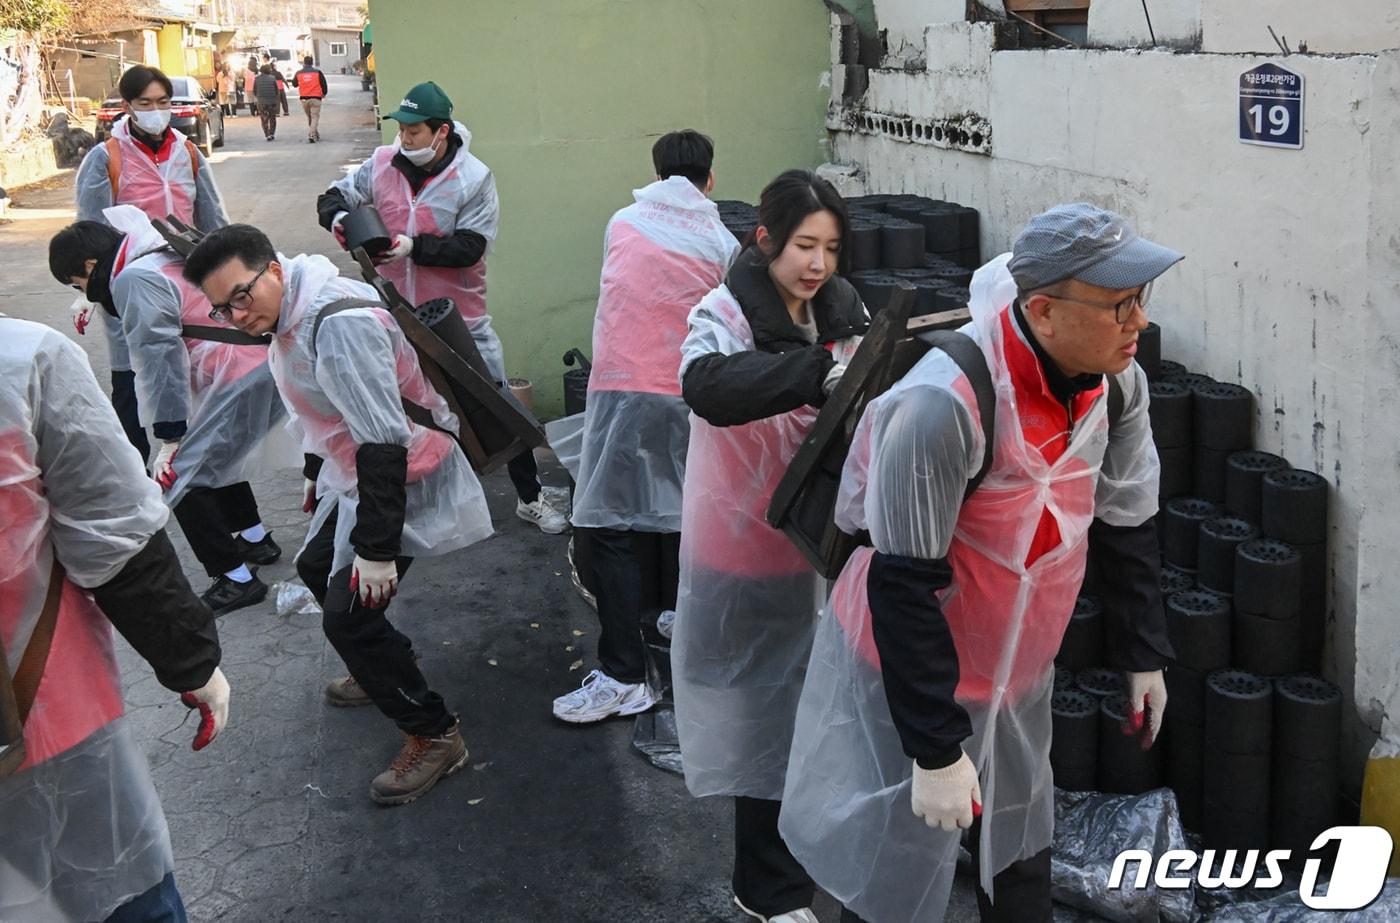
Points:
(1115, 401)
(17, 694)
(335, 307)
(968, 357)
(417, 414)
(114, 162)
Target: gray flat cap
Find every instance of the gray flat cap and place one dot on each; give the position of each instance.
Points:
(1084, 242)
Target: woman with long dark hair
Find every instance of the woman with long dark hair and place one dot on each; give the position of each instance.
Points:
(762, 353)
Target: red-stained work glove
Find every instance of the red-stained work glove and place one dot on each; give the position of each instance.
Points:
(375, 581)
(1147, 696)
(212, 701)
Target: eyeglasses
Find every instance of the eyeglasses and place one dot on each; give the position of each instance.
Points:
(241, 298)
(1122, 310)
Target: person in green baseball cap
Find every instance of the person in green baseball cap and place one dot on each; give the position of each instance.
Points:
(439, 204)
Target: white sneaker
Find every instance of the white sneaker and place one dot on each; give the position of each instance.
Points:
(541, 513)
(801, 915)
(601, 696)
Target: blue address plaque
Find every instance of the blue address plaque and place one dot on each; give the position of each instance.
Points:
(1271, 107)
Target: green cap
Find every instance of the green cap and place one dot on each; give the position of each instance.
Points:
(423, 102)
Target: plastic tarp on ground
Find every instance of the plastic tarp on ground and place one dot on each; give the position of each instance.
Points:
(1091, 829)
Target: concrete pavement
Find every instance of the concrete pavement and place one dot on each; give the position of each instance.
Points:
(274, 822)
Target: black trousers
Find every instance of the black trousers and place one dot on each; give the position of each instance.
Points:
(635, 575)
(124, 403)
(378, 655)
(525, 475)
(767, 879)
(209, 516)
(1022, 889)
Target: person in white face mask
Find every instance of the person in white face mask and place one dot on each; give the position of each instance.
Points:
(147, 164)
(439, 204)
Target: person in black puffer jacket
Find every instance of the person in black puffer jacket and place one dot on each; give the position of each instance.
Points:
(267, 91)
(762, 353)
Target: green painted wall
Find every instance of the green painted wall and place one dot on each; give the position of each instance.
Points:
(564, 101)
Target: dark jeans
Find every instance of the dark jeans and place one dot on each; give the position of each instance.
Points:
(160, 904)
(124, 403)
(268, 114)
(377, 654)
(1022, 889)
(767, 879)
(209, 516)
(525, 475)
(635, 576)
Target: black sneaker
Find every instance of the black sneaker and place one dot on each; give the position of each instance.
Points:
(225, 595)
(261, 553)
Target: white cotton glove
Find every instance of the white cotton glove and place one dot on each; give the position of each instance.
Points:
(375, 581)
(338, 229)
(1146, 691)
(948, 798)
(833, 378)
(212, 701)
(163, 468)
(403, 246)
(308, 495)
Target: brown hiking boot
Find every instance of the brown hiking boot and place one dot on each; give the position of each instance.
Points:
(419, 765)
(346, 693)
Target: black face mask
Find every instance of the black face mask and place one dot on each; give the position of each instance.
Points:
(99, 283)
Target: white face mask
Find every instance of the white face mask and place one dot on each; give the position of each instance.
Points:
(422, 156)
(152, 121)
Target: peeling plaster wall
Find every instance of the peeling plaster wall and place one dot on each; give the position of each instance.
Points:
(1292, 278)
(903, 22)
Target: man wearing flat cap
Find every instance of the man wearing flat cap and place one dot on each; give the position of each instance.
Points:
(926, 714)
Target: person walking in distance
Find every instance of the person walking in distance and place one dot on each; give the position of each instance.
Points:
(250, 76)
(312, 87)
(267, 89)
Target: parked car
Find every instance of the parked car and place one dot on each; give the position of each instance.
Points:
(191, 112)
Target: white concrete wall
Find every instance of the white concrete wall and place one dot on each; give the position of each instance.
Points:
(1333, 26)
(1291, 285)
(1122, 23)
(903, 23)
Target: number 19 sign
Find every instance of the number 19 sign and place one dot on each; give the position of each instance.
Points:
(1271, 107)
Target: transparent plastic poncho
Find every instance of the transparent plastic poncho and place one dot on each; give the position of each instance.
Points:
(170, 188)
(848, 790)
(748, 600)
(83, 828)
(346, 390)
(224, 392)
(662, 254)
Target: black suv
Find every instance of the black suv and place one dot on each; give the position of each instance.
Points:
(191, 113)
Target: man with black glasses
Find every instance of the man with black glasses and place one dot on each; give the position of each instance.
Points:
(926, 709)
(210, 403)
(390, 490)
